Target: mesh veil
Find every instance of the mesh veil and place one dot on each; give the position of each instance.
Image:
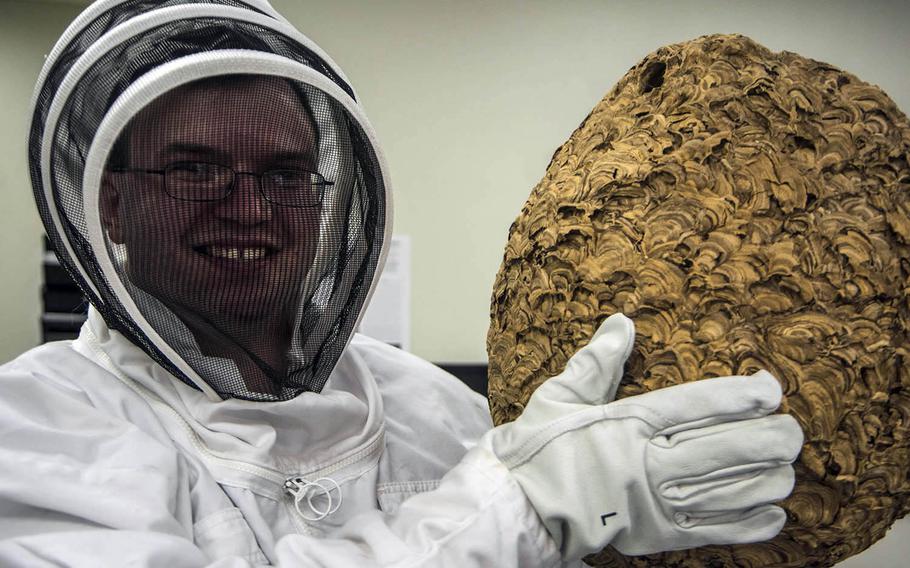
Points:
(92, 24)
(239, 218)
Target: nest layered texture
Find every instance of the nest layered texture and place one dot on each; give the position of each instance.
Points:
(748, 210)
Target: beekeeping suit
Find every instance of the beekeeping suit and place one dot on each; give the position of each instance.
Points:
(207, 176)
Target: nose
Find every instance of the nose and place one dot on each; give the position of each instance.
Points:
(245, 205)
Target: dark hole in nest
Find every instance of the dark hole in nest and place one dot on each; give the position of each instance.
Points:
(715, 562)
(653, 77)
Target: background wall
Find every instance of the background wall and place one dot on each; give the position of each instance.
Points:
(470, 99)
(28, 30)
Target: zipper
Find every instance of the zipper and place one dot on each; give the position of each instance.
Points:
(290, 484)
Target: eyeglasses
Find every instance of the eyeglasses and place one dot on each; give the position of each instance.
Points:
(200, 181)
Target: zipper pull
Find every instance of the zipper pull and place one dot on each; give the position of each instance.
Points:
(304, 490)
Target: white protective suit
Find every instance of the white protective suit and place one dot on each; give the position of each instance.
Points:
(209, 179)
(107, 461)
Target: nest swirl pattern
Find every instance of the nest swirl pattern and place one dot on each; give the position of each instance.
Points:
(748, 210)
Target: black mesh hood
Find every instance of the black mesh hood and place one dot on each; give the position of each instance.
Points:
(207, 177)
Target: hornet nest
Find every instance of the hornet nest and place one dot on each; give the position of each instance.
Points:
(748, 210)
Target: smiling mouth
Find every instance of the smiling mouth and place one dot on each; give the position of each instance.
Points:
(235, 253)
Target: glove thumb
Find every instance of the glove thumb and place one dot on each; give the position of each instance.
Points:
(593, 374)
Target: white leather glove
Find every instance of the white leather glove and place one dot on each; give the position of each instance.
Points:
(679, 467)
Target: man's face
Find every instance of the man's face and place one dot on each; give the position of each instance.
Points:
(239, 258)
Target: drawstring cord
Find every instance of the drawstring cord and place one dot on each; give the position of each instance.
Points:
(304, 490)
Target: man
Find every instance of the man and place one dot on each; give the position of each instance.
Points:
(225, 251)
(208, 177)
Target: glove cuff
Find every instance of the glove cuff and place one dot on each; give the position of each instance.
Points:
(520, 510)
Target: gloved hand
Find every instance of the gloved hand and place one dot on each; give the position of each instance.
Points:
(680, 467)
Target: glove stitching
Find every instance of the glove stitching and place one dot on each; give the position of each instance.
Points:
(719, 478)
(577, 421)
(704, 422)
(550, 432)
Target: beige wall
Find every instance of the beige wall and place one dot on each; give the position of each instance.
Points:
(470, 99)
(27, 32)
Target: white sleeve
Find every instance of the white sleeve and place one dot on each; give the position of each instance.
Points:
(478, 516)
(81, 488)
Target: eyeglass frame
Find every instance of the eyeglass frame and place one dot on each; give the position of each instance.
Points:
(229, 187)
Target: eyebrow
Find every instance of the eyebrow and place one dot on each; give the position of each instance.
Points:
(189, 148)
(202, 149)
(294, 156)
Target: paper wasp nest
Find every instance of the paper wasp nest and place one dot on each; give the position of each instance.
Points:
(748, 210)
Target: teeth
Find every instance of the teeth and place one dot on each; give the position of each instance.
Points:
(232, 253)
(253, 253)
(236, 253)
